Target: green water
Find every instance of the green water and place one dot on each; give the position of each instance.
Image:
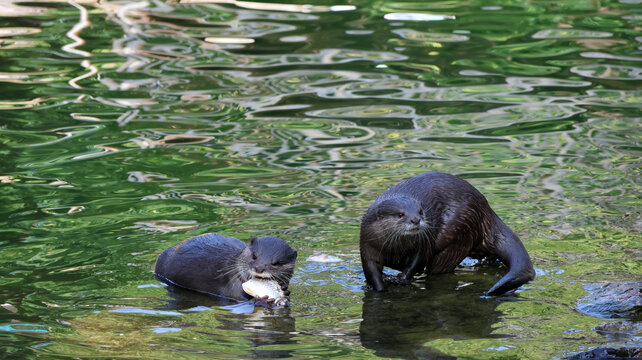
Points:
(126, 127)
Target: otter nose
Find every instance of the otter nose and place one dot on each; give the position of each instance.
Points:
(259, 269)
(415, 220)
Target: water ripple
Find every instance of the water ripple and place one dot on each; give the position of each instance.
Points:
(423, 38)
(609, 72)
(569, 34)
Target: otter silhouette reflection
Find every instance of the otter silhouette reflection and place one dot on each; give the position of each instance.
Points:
(262, 326)
(183, 299)
(398, 322)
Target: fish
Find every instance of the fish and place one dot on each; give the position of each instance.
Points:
(259, 288)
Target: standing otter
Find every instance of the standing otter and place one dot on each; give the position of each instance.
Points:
(218, 265)
(429, 224)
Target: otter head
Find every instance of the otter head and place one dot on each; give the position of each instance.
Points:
(271, 258)
(401, 216)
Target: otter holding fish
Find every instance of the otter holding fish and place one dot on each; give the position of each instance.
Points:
(429, 224)
(225, 266)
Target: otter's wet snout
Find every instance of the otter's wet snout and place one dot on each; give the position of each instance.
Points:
(413, 222)
(259, 270)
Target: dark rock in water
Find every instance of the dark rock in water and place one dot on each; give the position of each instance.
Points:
(610, 301)
(613, 300)
(609, 353)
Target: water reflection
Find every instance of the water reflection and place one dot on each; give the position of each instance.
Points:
(11, 9)
(260, 326)
(400, 321)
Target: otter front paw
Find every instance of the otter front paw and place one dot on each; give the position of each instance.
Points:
(403, 279)
(271, 303)
(265, 301)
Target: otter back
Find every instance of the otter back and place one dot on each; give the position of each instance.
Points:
(205, 263)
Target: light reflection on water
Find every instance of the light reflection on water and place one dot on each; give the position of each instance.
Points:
(129, 126)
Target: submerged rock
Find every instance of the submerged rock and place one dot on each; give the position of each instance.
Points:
(620, 330)
(613, 300)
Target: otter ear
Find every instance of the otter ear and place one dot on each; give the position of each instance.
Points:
(253, 239)
(295, 255)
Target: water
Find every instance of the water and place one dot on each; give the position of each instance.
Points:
(129, 126)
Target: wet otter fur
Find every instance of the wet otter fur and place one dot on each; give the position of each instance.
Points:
(429, 224)
(216, 264)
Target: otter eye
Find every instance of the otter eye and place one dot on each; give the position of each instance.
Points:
(276, 263)
(401, 215)
(421, 212)
(253, 256)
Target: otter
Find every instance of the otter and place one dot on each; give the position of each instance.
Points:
(429, 224)
(217, 265)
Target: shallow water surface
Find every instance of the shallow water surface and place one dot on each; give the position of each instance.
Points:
(127, 127)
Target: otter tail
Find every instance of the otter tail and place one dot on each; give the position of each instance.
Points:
(510, 250)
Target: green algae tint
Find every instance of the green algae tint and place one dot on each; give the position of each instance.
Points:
(128, 127)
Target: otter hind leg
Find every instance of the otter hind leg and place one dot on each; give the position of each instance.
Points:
(510, 250)
(449, 251)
